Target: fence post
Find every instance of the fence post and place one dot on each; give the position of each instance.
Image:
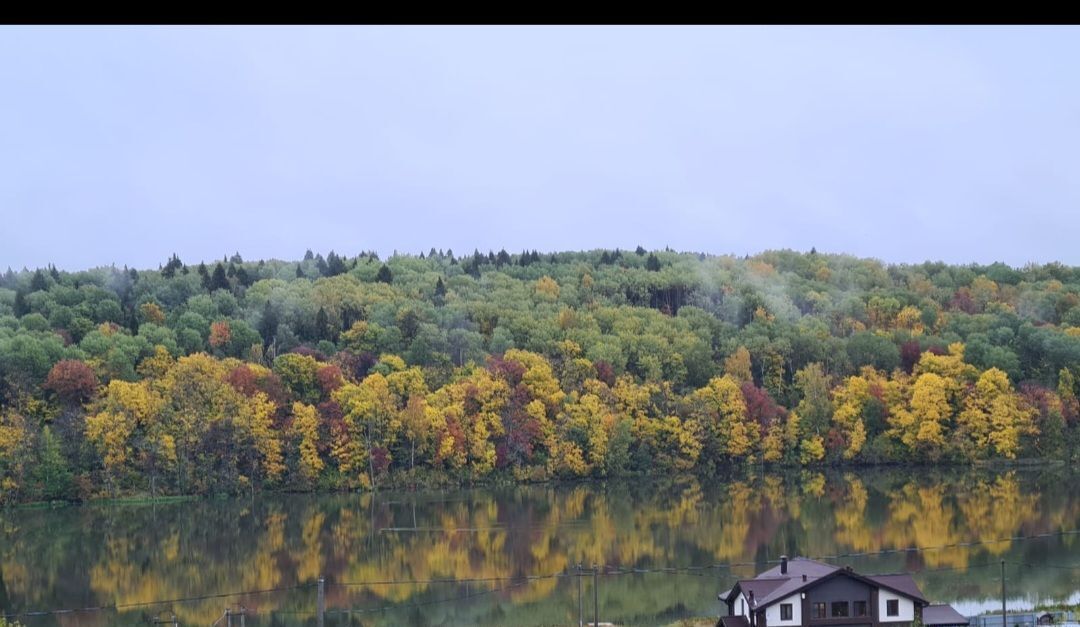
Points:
(243, 616)
(596, 595)
(580, 603)
(228, 617)
(322, 602)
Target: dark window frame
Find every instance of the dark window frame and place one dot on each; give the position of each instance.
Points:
(820, 610)
(859, 605)
(840, 609)
(892, 607)
(786, 611)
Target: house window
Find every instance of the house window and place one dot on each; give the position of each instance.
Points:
(839, 609)
(785, 611)
(860, 608)
(892, 607)
(819, 610)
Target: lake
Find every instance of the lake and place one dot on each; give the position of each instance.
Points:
(507, 556)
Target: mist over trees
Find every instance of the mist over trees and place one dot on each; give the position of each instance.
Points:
(353, 371)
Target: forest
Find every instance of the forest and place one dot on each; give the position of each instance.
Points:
(339, 372)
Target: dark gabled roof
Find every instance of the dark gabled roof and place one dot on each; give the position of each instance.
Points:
(733, 621)
(901, 583)
(799, 566)
(762, 588)
(771, 586)
(942, 615)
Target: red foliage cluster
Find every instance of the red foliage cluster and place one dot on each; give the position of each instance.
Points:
(910, 352)
(605, 372)
(963, 301)
(72, 380)
(458, 434)
(356, 365)
(510, 371)
(330, 378)
(760, 407)
(244, 380)
(380, 459)
(220, 334)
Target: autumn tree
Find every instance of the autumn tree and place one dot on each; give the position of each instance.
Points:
(72, 381)
(306, 428)
(993, 418)
(737, 365)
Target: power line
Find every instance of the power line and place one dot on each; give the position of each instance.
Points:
(1058, 566)
(128, 606)
(954, 545)
(400, 582)
(463, 597)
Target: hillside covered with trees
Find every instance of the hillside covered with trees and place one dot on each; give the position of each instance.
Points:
(353, 372)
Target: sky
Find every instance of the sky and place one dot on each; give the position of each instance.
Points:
(122, 145)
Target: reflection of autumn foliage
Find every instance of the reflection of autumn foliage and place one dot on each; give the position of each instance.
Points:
(141, 554)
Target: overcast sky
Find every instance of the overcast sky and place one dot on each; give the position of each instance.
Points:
(123, 145)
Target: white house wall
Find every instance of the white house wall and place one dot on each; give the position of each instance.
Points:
(907, 607)
(742, 608)
(772, 613)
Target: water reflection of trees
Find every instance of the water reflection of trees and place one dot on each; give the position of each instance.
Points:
(102, 555)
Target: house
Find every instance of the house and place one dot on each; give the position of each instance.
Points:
(806, 593)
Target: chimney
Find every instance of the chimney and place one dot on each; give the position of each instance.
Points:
(783, 564)
(751, 598)
(804, 576)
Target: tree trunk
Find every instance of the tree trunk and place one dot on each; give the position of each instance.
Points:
(370, 461)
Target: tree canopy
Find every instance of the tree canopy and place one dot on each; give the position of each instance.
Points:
(349, 371)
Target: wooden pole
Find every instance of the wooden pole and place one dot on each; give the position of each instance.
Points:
(580, 602)
(596, 595)
(322, 602)
(1004, 616)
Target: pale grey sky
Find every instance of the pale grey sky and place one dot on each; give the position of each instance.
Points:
(906, 144)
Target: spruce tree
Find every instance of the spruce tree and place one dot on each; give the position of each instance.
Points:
(38, 283)
(384, 275)
(218, 281)
(322, 325)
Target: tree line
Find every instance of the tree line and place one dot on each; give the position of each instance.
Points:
(354, 372)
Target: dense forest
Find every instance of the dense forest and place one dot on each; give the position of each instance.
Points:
(342, 372)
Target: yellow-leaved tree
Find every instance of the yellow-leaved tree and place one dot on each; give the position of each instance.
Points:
(921, 422)
(371, 427)
(306, 427)
(993, 418)
(721, 410)
(849, 399)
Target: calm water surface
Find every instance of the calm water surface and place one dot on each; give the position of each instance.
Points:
(126, 555)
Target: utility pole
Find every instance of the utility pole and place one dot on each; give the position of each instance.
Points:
(321, 609)
(580, 603)
(596, 595)
(1004, 621)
